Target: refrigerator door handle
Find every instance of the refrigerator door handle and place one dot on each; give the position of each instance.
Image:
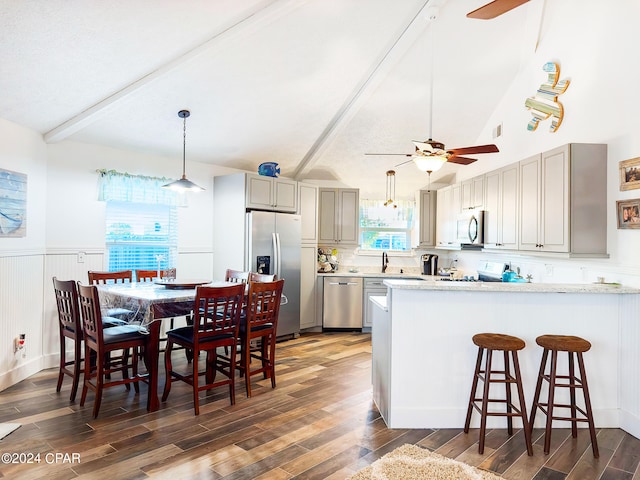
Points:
(276, 256)
(278, 269)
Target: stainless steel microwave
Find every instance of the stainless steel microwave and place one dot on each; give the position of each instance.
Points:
(470, 228)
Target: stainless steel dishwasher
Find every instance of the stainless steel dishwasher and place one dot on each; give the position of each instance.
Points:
(342, 303)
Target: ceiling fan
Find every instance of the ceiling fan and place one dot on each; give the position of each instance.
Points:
(430, 155)
(495, 9)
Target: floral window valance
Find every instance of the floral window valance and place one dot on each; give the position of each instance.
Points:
(124, 187)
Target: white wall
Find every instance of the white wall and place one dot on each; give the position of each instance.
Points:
(64, 217)
(21, 259)
(591, 45)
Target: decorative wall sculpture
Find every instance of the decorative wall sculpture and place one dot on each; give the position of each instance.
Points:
(545, 103)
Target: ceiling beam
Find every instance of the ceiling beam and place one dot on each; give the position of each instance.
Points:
(252, 20)
(391, 54)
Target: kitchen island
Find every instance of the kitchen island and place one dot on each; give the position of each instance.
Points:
(423, 355)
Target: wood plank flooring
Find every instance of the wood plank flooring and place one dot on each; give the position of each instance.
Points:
(319, 423)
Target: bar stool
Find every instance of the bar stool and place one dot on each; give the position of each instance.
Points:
(572, 345)
(504, 343)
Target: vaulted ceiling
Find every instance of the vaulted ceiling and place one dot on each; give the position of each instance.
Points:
(310, 84)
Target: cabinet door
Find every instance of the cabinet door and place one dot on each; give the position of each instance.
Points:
(529, 203)
(372, 287)
(285, 195)
(308, 210)
(308, 269)
(554, 228)
(466, 194)
(492, 220)
(259, 192)
(348, 216)
(427, 218)
(508, 207)
(328, 209)
(478, 191)
(444, 226)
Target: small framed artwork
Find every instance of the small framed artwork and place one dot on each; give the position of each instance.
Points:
(630, 174)
(628, 213)
(13, 204)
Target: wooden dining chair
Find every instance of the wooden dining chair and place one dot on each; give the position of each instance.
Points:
(150, 275)
(70, 327)
(236, 276)
(216, 324)
(262, 277)
(103, 341)
(260, 323)
(118, 314)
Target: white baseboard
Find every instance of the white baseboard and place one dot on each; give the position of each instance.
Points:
(19, 373)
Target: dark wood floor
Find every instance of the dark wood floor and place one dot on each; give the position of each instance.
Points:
(319, 423)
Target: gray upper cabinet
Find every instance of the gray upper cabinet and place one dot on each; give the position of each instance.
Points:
(269, 193)
(563, 195)
(427, 216)
(472, 193)
(501, 208)
(308, 210)
(339, 213)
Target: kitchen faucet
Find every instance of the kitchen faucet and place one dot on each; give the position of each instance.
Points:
(385, 261)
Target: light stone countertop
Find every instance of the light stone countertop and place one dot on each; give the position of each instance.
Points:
(510, 286)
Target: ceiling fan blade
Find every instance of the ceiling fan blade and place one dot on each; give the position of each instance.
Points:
(403, 154)
(494, 9)
(474, 150)
(461, 160)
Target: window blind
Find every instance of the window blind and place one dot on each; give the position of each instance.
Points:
(384, 227)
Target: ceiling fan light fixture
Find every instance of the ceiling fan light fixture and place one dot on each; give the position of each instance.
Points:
(184, 184)
(429, 163)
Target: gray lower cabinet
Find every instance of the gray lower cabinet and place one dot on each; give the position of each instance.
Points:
(372, 287)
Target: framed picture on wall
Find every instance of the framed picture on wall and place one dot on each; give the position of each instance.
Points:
(628, 213)
(630, 174)
(13, 204)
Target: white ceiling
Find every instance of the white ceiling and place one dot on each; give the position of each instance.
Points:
(310, 84)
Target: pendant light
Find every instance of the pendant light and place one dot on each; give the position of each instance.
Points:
(184, 185)
(391, 189)
(437, 158)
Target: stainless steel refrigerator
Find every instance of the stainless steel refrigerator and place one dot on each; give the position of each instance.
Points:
(272, 246)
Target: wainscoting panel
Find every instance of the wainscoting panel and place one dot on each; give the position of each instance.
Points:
(20, 312)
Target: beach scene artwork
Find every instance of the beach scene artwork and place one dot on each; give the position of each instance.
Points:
(13, 204)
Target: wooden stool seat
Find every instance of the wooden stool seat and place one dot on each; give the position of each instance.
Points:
(575, 347)
(498, 341)
(563, 343)
(509, 347)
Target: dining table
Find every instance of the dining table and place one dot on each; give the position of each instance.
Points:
(151, 302)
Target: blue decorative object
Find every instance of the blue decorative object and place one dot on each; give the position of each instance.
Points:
(269, 169)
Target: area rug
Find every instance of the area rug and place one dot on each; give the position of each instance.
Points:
(410, 462)
(7, 428)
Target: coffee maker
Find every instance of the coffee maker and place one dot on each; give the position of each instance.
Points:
(429, 264)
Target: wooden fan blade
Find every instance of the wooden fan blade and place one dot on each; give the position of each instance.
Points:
(461, 160)
(474, 150)
(495, 8)
(403, 154)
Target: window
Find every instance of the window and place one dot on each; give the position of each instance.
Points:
(386, 228)
(141, 236)
(141, 221)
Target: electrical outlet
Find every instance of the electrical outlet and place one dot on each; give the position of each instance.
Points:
(81, 256)
(548, 269)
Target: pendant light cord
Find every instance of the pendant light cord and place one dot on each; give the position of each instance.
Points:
(431, 79)
(184, 146)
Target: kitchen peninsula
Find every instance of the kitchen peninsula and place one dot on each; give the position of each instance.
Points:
(423, 355)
